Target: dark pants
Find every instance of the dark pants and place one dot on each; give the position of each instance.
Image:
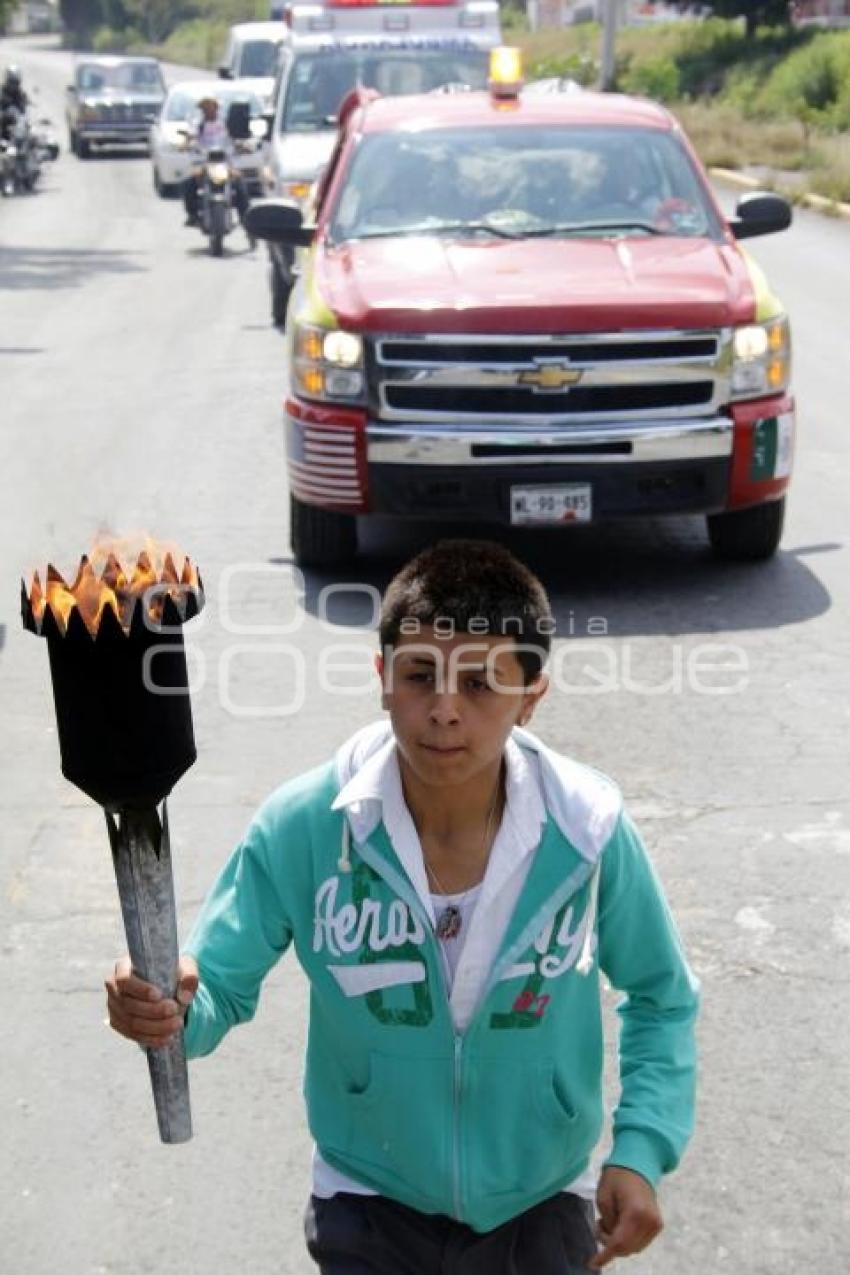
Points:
(191, 191)
(371, 1235)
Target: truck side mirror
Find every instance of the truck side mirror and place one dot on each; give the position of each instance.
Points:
(224, 73)
(279, 221)
(760, 213)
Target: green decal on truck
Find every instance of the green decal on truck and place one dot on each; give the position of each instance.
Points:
(773, 440)
(763, 463)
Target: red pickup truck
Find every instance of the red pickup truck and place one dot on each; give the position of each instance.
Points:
(529, 309)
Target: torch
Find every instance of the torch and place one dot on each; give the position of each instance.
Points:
(120, 686)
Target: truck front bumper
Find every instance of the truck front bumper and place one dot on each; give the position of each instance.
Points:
(115, 135)
(462, 473)
(341, 459)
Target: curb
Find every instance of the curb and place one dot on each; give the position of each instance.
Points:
(830, 207)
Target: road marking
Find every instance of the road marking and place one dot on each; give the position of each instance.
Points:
(828, 833)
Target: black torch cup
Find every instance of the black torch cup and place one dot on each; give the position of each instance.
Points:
(125, 736)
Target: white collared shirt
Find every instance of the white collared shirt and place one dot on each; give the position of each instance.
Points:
(374, 794)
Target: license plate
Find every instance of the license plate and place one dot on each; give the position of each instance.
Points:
(568, 502)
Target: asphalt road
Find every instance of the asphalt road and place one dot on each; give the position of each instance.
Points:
(141, 386)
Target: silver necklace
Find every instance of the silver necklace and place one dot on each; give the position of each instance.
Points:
(450, 920)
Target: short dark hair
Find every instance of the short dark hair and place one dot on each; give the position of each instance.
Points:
(467, 583)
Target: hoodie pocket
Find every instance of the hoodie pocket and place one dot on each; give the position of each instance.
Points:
(521, 1131)
(554, 1108)
(399, 1124)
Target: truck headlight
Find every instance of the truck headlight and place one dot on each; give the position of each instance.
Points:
(328, 364)
(761, 358)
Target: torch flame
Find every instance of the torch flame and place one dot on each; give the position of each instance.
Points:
(92, 596)
(60, 599)
(102, 582)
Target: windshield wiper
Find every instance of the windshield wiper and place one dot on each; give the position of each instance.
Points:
(441, 228)
(578, 227)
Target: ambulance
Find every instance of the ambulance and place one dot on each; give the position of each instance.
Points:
(530, 310)
(396, 49)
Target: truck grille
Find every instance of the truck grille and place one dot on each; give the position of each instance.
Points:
(624, 375)
(600, 398)
(125, 113)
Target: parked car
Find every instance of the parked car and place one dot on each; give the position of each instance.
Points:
(171, 160)
(530, 310)
(112, 102)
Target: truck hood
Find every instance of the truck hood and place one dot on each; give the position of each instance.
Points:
(426, 284)
(301, 156)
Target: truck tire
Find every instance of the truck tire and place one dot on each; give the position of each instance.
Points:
(320, 538)
(83, 150)
(747, 535)
(280, 296)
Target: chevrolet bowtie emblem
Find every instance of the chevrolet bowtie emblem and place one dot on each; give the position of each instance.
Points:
(550, 376)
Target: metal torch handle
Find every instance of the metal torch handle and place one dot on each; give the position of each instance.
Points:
(142, 856)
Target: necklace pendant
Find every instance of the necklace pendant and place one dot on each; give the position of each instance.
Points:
(449, 923)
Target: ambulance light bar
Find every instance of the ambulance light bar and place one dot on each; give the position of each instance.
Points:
(313, 17)
(384, 4)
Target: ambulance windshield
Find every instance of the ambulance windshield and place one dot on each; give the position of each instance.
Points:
(320, 80)
(258, 58)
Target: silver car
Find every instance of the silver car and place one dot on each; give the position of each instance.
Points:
(172, 159)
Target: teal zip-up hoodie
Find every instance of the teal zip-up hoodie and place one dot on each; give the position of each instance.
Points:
(484, 1123)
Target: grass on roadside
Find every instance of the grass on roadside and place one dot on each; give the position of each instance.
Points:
(724, 138)
(795, 160)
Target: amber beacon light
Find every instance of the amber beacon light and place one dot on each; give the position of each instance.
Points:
(505, 72)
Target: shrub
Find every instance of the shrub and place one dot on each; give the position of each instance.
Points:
(107, 40)
(812, 84)
(513, 17)
(199, 43)
(658, 78)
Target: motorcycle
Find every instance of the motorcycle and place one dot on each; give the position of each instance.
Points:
(46, 141)
(215, 200)
(221, 195)
(20, 162)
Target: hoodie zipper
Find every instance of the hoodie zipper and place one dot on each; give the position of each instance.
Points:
(458, 1059)
(570, 887)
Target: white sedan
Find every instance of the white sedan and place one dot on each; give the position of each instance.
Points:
(172, 161)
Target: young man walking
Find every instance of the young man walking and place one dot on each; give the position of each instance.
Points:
(453, 889)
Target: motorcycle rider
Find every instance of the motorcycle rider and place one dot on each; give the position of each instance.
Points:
(13, 100)
(211, 134)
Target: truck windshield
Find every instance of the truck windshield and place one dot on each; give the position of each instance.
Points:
(258, 59)
(320, 80)
(141, 77)
(523, 182)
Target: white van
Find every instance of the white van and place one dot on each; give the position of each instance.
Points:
(253, 52)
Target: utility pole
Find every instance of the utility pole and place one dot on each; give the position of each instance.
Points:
(609, 41)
